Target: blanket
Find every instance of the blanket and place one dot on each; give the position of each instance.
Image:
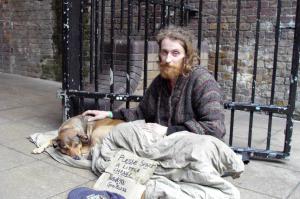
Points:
(189, 165)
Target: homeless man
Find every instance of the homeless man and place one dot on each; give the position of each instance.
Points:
(184, 96)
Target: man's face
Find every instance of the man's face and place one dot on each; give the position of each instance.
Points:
(171, 58)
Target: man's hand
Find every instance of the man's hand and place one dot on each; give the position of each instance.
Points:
(97, 115)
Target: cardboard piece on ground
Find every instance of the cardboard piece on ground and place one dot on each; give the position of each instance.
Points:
(126, 187)
(126, 175)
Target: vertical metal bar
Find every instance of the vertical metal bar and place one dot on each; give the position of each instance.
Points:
(174, 18)
(92, 39)
(101, 63)
(81, 45)
(66, 48)
(274, 72)
(187, 16)
(168, 15)
(73, 54)
(236, 56)
(154, 17)
(293, 83)
(112, 50)
(122, 14)
(81, 102)
(97, 64)
(181, 12)
(254, 69)
(163, 14)
(98, 60)
(146, 47)
(139, 15)
(129, 16)
(65, 57)
(200, 27)
(218, 39)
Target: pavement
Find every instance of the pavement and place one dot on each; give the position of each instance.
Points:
(29, 105)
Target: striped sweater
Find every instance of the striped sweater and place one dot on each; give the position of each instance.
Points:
(195, 105)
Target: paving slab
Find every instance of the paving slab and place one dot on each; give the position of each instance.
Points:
(46, 123)
(267, 179)
(295, 143)
(36, 99)
(85, 173)
(295, 193)
(28, 82)
(10, 159)
(19, 113)
(8, 103)
(260, 130)
(14, 131)
(248, 194)
(241, 121)
(37, 180)
(46, 109)
(3, 120)
(292, 163)
(259, 136)
(64, 195)
(259, 142)
(25, 147)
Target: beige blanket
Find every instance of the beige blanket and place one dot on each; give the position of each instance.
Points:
(189, 165)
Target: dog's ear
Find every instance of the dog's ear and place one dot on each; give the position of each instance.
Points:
(55, 142)
(83, 137)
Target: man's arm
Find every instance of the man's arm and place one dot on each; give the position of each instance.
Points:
(208, 108)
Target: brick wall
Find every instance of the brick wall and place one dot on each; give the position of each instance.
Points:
(28, 37)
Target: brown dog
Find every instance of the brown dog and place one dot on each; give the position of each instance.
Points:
(76, 135)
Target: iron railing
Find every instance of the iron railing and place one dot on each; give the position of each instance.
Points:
(128, 21)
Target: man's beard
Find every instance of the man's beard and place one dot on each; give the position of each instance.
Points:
(169, 71)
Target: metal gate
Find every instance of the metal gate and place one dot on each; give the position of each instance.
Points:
(101, 68)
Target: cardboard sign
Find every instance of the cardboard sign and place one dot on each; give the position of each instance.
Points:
(126, 175)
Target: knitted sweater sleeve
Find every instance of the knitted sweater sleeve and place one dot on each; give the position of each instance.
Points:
(207, 106)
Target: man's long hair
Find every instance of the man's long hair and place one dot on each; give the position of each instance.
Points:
(186, 38)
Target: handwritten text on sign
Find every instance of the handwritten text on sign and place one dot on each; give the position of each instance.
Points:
(129, 165)
(126, 175)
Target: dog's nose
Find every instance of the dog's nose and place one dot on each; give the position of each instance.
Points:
(76, 157)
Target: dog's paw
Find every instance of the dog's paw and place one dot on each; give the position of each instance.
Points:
(38, 150)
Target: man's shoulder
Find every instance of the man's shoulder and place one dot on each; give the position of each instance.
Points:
(201, 72)
(202, 78)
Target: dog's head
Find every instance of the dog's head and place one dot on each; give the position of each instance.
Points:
(70, 142)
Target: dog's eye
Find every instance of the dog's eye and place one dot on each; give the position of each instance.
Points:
(63, 151)
(63, 146)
